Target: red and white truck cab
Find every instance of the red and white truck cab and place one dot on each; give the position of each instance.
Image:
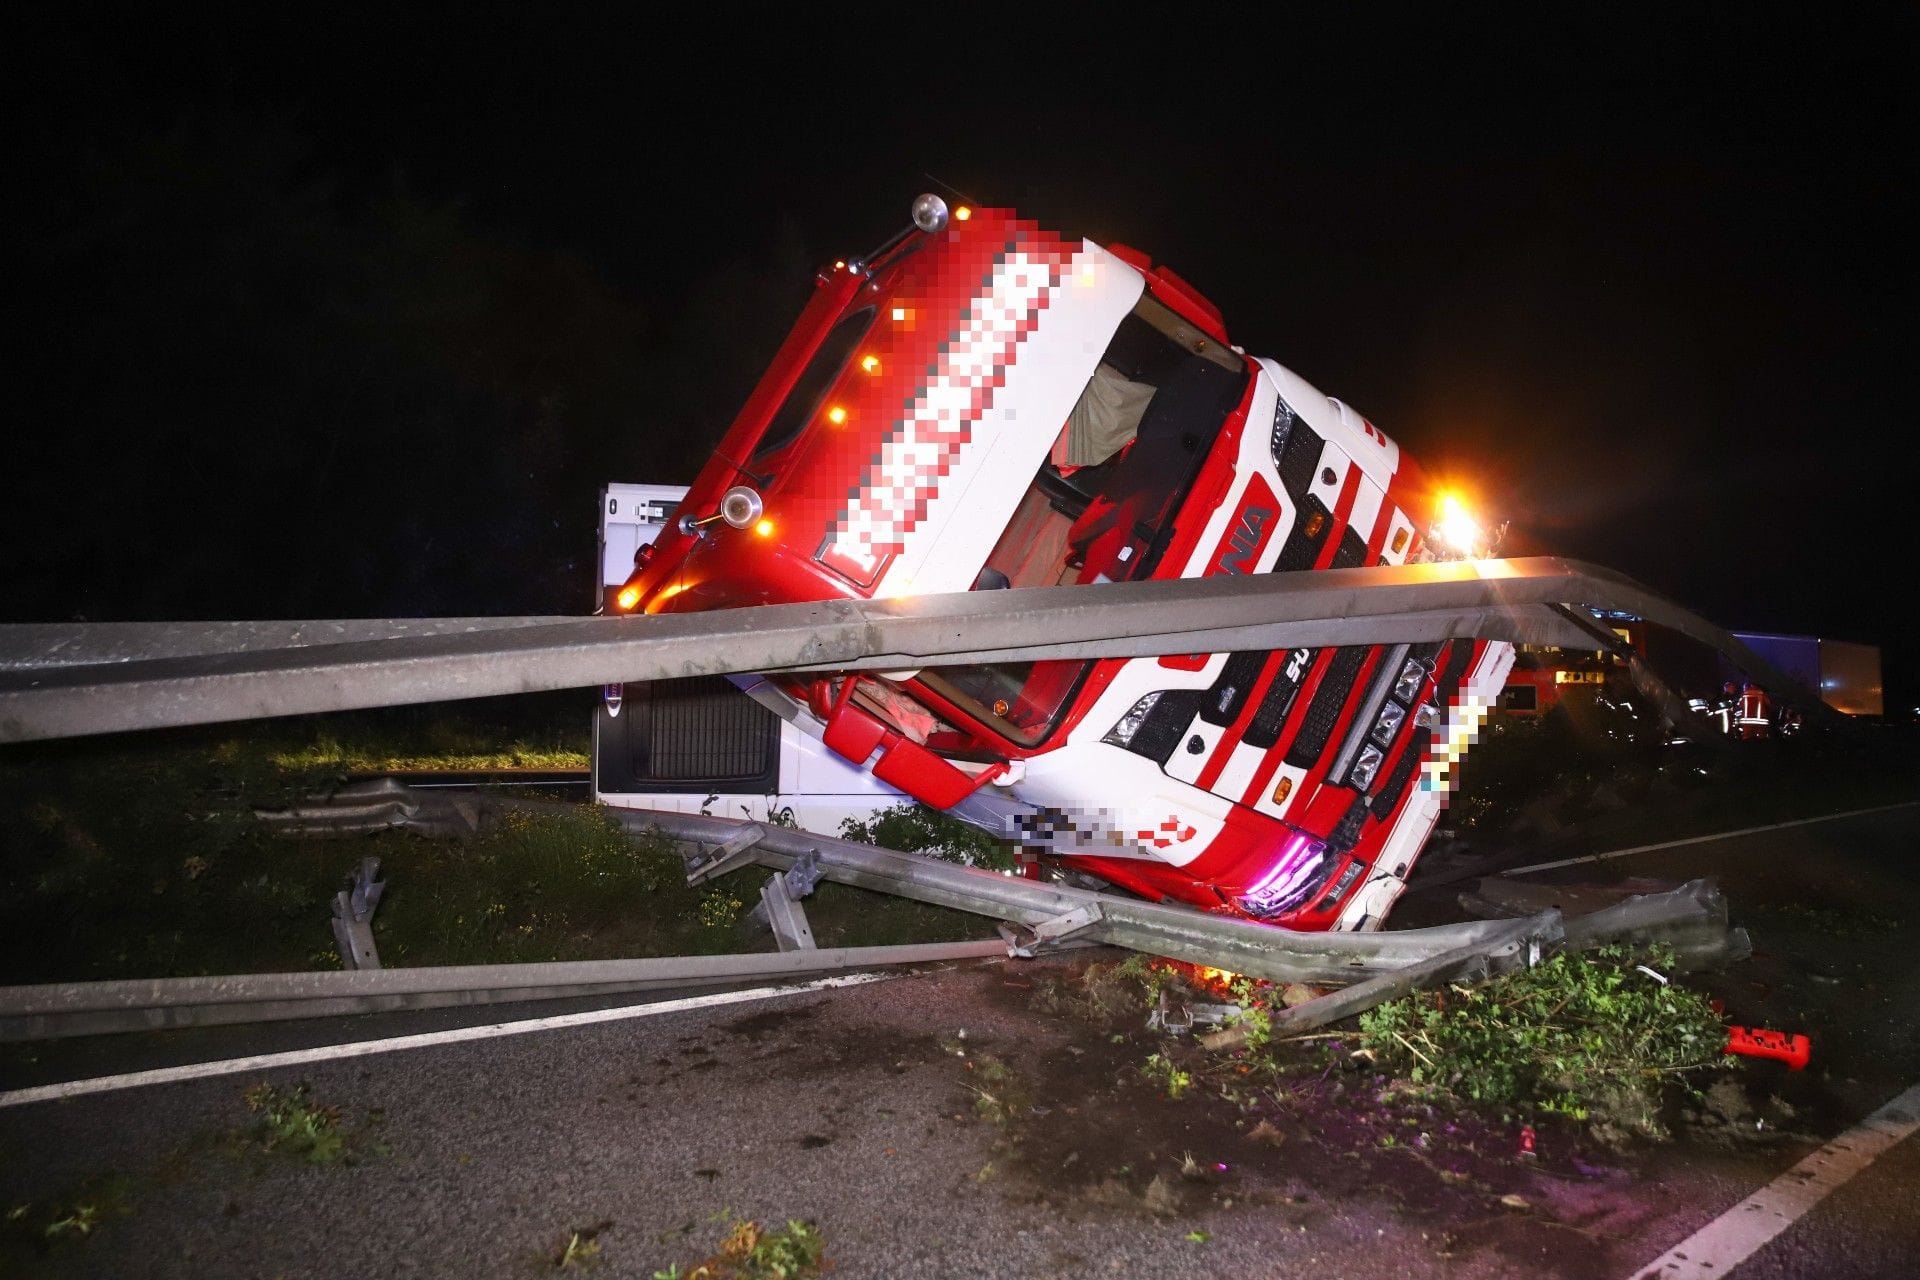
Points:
(986, 405)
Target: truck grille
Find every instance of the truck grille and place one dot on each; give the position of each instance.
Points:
(1324, 711)
(1396, 784)
(1264, 731)
(1298, 459)
(688, 735)
(1233, 687)
(1352, 553)
(1159, 736)
(1301, 551)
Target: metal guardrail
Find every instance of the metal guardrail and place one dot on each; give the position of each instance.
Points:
(59, 680)
(1692, 918)
(1058, 911)
(54, 1010)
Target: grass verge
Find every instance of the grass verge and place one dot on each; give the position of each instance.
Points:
(138, 856)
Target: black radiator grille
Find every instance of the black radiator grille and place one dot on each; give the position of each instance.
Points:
(1298, 459)
(1353, 551)
(1233, 687)
(1264, 730)
(1396, 783)
(1324, 711)
(1300, 550)
(1159, 736)
(1459, 654)
(700, 729)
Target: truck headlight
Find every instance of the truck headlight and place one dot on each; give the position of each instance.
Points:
(1129, 724)
(1388, 724)
(1360, 777)
(1297, 874)
(1407, 684)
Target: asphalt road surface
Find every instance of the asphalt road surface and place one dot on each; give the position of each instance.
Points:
(861, 1109)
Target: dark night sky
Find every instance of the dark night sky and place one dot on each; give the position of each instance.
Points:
(1644, 282)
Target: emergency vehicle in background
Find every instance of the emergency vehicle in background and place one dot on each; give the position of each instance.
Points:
(984, 405)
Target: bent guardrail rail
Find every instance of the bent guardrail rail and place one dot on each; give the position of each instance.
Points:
(68, 680)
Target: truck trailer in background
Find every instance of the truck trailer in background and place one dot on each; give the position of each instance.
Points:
(1846, 674)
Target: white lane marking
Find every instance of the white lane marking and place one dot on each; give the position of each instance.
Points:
(1718, 835)
(1737, 1234)
(361, 1048)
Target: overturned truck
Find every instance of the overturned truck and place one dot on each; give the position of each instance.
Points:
(984, 405)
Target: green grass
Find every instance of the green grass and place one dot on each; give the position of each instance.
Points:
(138, 856)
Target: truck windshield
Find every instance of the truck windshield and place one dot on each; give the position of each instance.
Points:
(822, 371)
(1107, 500)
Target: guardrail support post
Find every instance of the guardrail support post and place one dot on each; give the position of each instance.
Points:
(781, 910)
(735, 852)
(353, 917)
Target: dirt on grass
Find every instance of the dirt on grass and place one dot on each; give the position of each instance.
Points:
(1304, 1132)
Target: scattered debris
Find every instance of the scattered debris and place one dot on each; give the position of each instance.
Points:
(796, 1251)
(1528, 1039)
(581, 1252)
(1159, 1198)
(1267, 1133)
(1756, 1042)
(291, 1122)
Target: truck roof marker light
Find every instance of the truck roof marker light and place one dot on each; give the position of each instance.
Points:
(764, 528)
(870, 364)
(837, 415)
(962, 213)
(629, 596)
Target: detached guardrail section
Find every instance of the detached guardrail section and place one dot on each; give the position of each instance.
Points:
(1034, 916)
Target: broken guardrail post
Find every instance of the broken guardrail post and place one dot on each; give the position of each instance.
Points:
(353, 916)
(1475, 962)
(734, 852)
(780, 908)
(1024, 940)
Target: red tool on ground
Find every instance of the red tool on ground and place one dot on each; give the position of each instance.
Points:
(1757, 1042)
